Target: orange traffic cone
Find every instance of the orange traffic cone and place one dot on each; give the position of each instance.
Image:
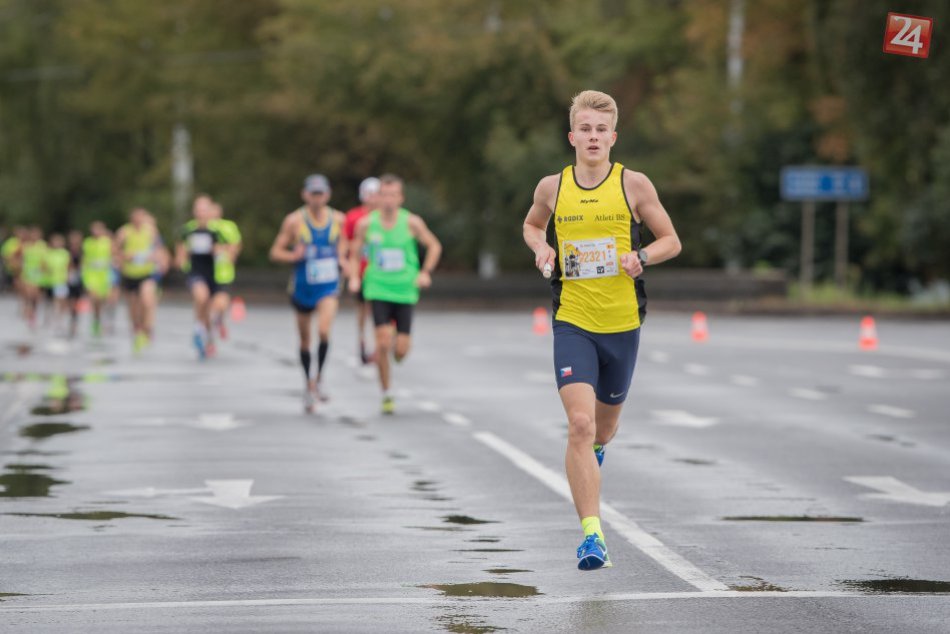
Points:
(541, 325)
(238, 309)
(867, 340)
(700, 327)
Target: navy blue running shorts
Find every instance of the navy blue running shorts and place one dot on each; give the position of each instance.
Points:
(603, 361)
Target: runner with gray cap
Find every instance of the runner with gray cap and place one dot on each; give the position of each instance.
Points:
(311, 238)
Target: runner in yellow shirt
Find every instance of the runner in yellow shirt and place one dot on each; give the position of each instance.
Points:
(599, 209)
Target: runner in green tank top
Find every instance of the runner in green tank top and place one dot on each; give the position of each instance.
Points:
(393, 276)
(33, 250)
(137, 245)
(96, 271)
(224, 271)
(56, 271)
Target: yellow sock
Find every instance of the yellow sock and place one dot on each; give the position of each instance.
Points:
(591, 525)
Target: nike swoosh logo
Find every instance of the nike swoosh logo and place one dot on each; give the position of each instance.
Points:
(616, 395)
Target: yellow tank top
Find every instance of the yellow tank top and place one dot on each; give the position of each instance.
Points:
(593, 228)
(139, 244)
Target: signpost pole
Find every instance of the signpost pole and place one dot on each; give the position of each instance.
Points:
(841, 245)
(807, 273)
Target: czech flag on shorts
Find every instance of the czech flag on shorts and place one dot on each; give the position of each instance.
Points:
(565, 372)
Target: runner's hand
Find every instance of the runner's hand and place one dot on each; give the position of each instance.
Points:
(424, 280)
(631, 264)
(299, 252)
(544, 255)
(355, 284)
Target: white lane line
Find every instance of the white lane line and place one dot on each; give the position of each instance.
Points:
(429, 406)
(22, 394)
(743, 380)
(630, 530)
(615, 597)
(679, 418)
(867, 371)
(808, 395)
(893, 412)
(696, 369)
(893, 490)
(452, 418)
(659, 357)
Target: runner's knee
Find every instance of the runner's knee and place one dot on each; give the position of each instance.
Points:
(580, 427)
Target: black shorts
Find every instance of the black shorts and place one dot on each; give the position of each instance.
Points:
(385, 313)
(207, 280)
(603, 361)
(221, 288)
(75, 291)
(133, 284)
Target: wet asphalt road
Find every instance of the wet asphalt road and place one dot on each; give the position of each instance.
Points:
(773, 479)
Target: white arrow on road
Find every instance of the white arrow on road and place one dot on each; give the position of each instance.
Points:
(679, 418)
(867, 371)
(233, 494)
(152, 492)
(893, 490)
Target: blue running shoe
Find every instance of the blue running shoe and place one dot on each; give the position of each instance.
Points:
(200, 345)
(592, 553)
(599, 453)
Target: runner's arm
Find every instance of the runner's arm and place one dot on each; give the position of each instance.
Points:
(343, 244)
(536, 222)
(667, 244)
(427, 239)
(356, 248)
(286, 248)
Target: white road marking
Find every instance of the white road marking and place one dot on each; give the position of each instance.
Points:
(218, 422)
(429, 406)
(893, 490)
(868, 371)
(458, 420)
(743, 380)
(696, 369)
(807, 394)
(679, 418)
(894, 412)
(539, 377)
(659, 357)
(233, 494)
(928, 374)
(58, 347)
(541, 600)
(630, 530)
(152, 492)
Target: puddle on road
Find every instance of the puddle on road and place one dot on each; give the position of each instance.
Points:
(485, 540)
(485, 589)
(505, 571)
(61, 397)
(758, 585)
(366, 437)
(13, 594)
(640, 446)
(699, 462)
(794, 518)
(21, 349)
(450, 529)
(39, 431)
(900, 585)
(465, 624)
(465, 519)
(425, 486)
(396, 455)
(889, 438)
(22, 483)
(95, 516)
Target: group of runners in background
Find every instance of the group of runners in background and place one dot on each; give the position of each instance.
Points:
(375, 246)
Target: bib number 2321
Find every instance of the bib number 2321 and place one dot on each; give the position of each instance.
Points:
(586, 259)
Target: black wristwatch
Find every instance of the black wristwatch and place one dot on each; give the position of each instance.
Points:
(643, 256)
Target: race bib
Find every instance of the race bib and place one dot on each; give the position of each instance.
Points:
(586, 259)
(200, 243)
(322, 271)
(141, 257)
(391, 260)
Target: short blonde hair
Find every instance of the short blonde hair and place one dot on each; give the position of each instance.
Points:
(594, 100)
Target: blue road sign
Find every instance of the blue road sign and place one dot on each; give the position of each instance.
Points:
(807, 182)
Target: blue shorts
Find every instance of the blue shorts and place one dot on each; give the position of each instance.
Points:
(603, 361)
